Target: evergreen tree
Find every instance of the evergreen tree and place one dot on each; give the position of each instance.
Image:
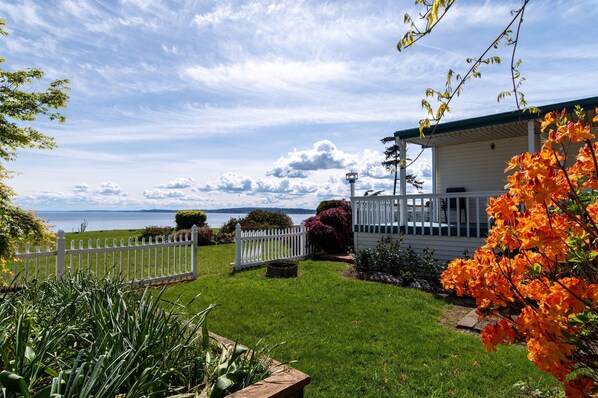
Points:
(392, 163)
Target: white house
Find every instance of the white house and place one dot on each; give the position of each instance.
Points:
(468, 161)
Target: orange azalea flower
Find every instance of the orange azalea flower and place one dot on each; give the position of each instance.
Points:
(500, 333)
(579, 387)
(543, 238)
(592, 293)
(549, 118)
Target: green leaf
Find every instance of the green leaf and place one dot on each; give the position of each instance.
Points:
(14, 383)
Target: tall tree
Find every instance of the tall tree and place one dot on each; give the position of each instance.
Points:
(22, 101)
(392, 163)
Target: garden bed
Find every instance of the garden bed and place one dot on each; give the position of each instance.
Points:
(97, 335)
(284, 381)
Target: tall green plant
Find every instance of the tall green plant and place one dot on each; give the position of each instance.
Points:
(80, 336)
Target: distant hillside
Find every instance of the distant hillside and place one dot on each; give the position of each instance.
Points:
(243, 210)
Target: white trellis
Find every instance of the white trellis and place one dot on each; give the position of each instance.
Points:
(133, 261)
(254, 248)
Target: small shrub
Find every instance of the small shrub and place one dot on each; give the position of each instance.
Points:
(185, 219)
(205, 235)
(223, 238)
(390, 257)
(329, 204)
(330, 230)
(155, 230)
(271, 219)
(258, 219)
(229, 226)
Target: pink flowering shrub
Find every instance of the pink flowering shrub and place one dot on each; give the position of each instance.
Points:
(330, 230)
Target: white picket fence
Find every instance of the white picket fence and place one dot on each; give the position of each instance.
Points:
(254, 248)
(136, 261)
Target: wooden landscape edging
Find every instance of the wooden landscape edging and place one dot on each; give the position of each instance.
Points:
(285, 382)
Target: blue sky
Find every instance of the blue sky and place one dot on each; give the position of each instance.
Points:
(215, 104)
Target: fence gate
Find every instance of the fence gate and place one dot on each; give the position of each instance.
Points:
(258, 247)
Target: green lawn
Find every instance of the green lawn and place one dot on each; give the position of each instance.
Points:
(354, 338)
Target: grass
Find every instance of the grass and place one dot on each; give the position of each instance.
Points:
(354, 338)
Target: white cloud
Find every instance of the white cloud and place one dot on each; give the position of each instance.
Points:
(297, 164)
(179, 183)
(219, 14)
(109, 188)
(266, 75)
(170, 49)
(82, 188)
(162, 194)
(229, 182)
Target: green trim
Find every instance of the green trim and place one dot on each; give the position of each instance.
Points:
(499, 118)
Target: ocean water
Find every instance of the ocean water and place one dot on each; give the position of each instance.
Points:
(108, 220)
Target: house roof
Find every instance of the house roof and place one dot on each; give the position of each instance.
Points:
(483, 128)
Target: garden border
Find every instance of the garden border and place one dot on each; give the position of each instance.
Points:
(285, 382)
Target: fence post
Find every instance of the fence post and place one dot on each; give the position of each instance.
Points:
(60, 253)
(194, 250)
(302, 239)
(238, 242)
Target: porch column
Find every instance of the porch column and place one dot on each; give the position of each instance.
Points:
(531, 137)
(433, 201)
(403, 181)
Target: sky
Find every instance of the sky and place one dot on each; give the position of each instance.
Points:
(220, 104)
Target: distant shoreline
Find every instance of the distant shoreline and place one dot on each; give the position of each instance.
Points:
(231, 210)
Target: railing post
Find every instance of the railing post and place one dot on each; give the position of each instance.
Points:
(403, 181)
(193, 250)
(302, 239)
(60, 253)
(238, 242)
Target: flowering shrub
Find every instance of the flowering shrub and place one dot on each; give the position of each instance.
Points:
(537, 274)
(330, 230)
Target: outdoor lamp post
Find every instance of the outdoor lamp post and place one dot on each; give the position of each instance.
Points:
(352, 177)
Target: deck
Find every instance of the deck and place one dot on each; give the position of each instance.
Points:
(452, 223)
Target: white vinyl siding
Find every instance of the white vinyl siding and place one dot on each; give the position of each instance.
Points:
(476, 166)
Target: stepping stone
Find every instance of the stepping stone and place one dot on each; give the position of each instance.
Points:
(469, 321)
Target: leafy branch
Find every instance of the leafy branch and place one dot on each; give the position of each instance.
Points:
(434, 12)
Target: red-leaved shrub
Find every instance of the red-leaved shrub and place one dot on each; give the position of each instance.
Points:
(330, 231)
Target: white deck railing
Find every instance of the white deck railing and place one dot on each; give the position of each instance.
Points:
(136, 261)
(254, 248)
(447, 214)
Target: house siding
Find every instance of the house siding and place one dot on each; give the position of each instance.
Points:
(445, 248)
(476, 166)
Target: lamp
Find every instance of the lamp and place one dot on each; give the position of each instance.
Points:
(352, 176)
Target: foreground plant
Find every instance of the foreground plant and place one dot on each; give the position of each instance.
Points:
(80, 337)
(538, 271)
